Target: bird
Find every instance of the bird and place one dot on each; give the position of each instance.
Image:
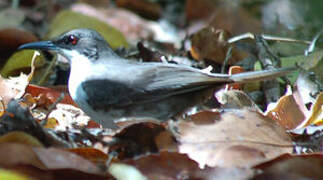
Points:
(108, 87)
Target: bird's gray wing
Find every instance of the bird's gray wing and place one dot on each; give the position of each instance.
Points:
(151, 82)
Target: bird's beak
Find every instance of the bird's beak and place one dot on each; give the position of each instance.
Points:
(41, 45)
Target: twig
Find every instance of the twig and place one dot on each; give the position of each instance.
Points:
(48, 70)
(266, 37)
(227, 57)
(268, 61)
(311, 47)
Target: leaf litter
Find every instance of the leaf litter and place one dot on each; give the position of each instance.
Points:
(230, 136)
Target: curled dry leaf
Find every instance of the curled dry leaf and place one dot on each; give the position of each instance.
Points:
(290, 111)
(211, 44)
(234, 70)
(240, 138)
(2, 108)
(316, 113)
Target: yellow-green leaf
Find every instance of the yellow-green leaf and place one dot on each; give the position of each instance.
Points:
(68, 20)
(19, 61)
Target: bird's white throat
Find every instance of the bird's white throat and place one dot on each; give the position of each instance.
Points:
(81, 68)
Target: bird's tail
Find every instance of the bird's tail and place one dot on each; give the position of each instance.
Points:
(261, 75)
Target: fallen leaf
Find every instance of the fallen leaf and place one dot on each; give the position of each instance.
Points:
(12, 38)
(94, 155)
(195, 10)
(235, 99)
(287, 166)
(51, 93)
(211, 44)
(139, 28)
(14, 87)
(68, 20)
(140, 138)
(238, 136)
(21, 138)
(52, 163)
(316, 113)
(167, 165)
(147, 9)
(287, 111)
(53, 159)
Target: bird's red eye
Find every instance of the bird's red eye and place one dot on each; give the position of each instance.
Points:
(72, 39)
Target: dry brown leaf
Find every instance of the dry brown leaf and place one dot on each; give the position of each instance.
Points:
(52, 162)
(51, 94)
(141, 138)
(12, 38)
(18, 154)
(211, 44)
(168, 165)
(288, 166)
(198, 9)
(235, 19)
(94, 155)
(147, 9)
(59, 159)
(286, 111)
(290, 111)
(240, 138)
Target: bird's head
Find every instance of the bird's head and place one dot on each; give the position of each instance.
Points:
(72, 44)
